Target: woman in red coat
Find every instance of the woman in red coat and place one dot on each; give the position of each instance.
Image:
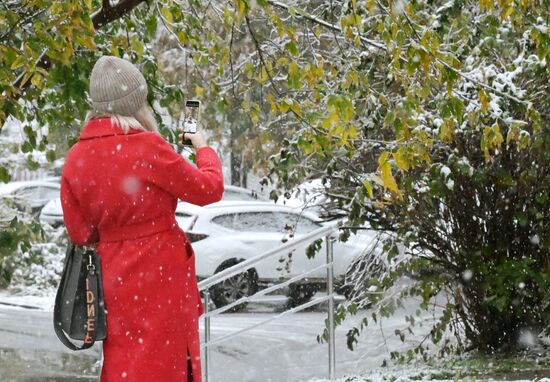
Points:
(120, 186)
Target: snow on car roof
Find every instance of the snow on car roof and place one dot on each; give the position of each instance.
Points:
(10, 187)
(237, 188)
(184, 206)
(236, 204)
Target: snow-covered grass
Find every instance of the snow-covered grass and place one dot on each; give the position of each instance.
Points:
(532, 366)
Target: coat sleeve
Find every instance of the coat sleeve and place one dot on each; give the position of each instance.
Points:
(80, 231)
(199, 185)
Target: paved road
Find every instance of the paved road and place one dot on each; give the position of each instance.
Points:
(285, 350)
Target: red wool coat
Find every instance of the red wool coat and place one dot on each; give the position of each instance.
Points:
(121, 190)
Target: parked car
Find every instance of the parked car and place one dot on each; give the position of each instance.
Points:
(52, 212)
(31, 195)
(225, 233)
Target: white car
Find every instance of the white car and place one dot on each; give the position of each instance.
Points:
(226, 233)
(32, 195)
(52, 213)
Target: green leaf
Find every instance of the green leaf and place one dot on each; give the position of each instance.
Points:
(4, 174)
(294, 76)
(50, 155)
(292, 48)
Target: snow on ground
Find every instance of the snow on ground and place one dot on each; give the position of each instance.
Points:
(284, 350)
(17, 301)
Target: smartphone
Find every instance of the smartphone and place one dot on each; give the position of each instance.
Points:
(191, 119)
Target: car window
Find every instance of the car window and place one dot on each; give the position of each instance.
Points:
(49, 193)
(226, 220)
(250, 222)
(185, 220)
(265, 221)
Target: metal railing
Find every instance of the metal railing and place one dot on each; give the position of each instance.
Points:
(328, 233)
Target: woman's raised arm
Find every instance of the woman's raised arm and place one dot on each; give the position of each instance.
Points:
(173, 173)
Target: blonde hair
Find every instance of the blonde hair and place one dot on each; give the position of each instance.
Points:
(143, 119)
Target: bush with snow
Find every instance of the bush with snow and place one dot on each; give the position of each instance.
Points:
(31, 256)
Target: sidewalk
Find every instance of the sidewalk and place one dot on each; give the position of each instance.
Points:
(30, 350)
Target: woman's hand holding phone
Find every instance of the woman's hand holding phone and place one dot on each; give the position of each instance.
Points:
(196, 139)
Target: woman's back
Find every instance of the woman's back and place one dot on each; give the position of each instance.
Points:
(122, 179)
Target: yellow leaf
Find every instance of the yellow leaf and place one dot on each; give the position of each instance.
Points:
(284, 106)
(447, 130)
(484, 99)
(138, 47)
(486, 5)
(26, 77)
(368, 187)
(317, 31)
(271, 101)
(295, 107)
(263, 76)
(199, 91)
(507, 13)
(86, 41)
(254, 116)
(513, 135)
(369, 4)
(241, 6)
(281, 61)
(19, 62)
(37, 80)
(353, 132)
(331, 120)
(401, 160)
(167, 14)
(182, 37)
(388, 181)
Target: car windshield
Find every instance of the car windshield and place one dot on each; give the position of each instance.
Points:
(266, 221)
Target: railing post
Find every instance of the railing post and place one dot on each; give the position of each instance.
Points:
(206, 336)
(330, 321)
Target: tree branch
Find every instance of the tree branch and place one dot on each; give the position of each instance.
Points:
(324, 23)
(102, 17)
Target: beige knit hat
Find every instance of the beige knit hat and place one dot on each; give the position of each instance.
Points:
(117, 87)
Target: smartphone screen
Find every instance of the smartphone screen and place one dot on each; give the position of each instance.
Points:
(191, 120)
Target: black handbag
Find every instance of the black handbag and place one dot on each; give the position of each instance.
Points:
(79, 311)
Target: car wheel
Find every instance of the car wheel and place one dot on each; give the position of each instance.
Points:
(299, 294)
(234, 288)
